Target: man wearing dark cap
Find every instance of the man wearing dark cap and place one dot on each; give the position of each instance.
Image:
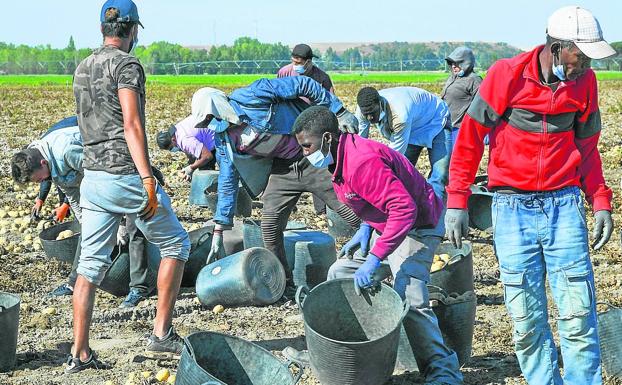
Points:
(109, 87)
(197, 143)
(302, 64)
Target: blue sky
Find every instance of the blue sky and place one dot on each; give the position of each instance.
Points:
(195, 22)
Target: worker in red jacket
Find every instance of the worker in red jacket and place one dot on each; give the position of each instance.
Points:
(383, 188)
(540, 109)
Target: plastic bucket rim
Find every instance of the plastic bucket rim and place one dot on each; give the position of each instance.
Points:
(62, 224)
(260, 348)
(15, 297)
(357, 343)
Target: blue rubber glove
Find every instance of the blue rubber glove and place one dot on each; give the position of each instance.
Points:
(363, 275)
(360, 239)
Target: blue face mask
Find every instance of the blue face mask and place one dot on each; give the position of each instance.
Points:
(134, 44)
(559, 70)
(299, 69)
(175, 149)
(218, 125)
(461, 73)
(319, 160)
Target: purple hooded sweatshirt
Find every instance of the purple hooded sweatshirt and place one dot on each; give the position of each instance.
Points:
(384, 189)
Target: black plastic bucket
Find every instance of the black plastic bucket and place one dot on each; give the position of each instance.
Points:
(457, 275)
(480, 210)
(251, 277)
(117, 278)
(210, 358)
(252, 231)
(65, 249)
(610, 334)
(204, 193)
(9, 325)
(456, 319)
(310, 254)
(352, 339)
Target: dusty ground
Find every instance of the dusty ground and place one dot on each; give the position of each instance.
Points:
(118, 334)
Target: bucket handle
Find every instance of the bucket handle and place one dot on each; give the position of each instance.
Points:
(297, 366)
(301, 295)
(207, 233)
(406, 305)
(211, 383)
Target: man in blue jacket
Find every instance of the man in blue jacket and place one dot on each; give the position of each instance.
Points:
(255, 145)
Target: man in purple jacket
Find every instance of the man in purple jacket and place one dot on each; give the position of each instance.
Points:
(390, 196)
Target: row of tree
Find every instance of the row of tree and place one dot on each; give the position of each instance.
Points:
(249, 55)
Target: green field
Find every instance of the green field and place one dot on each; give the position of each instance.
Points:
(240, 80)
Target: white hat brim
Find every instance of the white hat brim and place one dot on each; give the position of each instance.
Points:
(596, 50)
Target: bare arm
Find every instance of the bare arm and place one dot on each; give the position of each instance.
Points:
(134, 131)
(206, 157)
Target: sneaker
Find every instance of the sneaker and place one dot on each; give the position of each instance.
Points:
(134, 297)
(167, 347)
(299, 356)
(75, 365)
(62, 290)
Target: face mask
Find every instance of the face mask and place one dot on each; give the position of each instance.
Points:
(175, 149)
(134, 44)
(461, 73)
(218, 125)
(558, 70)
(319, 160)
(299, 69)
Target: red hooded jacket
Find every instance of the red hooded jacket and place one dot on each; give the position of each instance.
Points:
(540, 139)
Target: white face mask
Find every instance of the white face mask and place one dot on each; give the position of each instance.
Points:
(319, 160)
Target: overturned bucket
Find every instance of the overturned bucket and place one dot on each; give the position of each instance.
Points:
(219, 359)
(204, 193)
(610, 334)
(352, 339)
(9, 325)
(251, 277)
(309, 254)
(64, 249)
(456, 319)
(252, 231)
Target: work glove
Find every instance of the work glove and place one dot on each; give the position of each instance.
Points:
(186, 173)
(150, 185)
(363, 276)
(360, 239)
(217, 251)
(347, 122)
(60, 213)
(158, 175)
(123, 237)
(35, 212)
(603, 227)
(456, 226)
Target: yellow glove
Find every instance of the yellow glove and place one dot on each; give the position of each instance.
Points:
(150, 185)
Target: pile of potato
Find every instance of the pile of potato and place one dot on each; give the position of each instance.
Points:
(64, 235)
(439, 262)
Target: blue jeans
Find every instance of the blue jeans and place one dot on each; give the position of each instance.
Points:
(542, 235)
(228, 182)
(105, 198)
(410, 266)
(439, 155)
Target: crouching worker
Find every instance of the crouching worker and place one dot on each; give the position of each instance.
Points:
(109, 87)
(57, 157)
(254, 144)
(196, 142)
(390, 196)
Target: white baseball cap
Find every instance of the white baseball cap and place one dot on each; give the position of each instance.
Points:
(576, 24)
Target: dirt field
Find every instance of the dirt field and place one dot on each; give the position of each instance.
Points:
(118, 335)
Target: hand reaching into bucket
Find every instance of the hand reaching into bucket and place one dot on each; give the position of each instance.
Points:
(363, 276)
